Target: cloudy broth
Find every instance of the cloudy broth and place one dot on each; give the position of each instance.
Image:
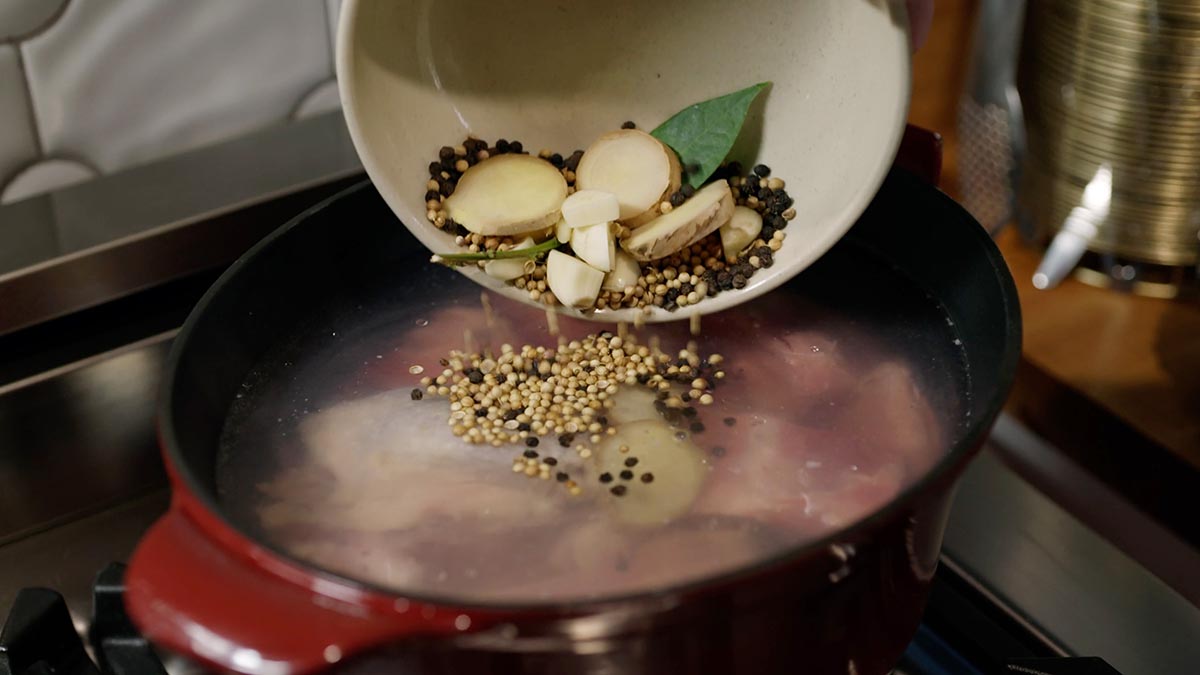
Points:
(837, 393)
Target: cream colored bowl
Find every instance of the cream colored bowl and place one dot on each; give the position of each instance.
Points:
(420, 74)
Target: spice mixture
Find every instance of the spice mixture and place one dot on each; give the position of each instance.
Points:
(680, 278)
(522, 395)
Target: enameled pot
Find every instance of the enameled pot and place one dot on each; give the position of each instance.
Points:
(202, 586)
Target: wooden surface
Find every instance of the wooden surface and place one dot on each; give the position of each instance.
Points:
(1137, 358)
(1111, 378)
(939, 70)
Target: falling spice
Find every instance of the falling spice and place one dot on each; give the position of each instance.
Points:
(488, 318)
(417, 394)
(519, 395)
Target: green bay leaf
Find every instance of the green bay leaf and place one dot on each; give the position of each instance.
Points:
(702, 134)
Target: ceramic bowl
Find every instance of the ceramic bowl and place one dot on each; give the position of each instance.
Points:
(416, 75)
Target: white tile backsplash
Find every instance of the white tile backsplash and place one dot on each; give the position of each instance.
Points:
(22, 18)
(47, 174)
(18, 146)
(320, 100)
(116, 83)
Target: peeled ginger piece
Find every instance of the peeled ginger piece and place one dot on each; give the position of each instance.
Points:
(508, 194)
(634, 166)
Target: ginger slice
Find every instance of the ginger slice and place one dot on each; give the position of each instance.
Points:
(708, 209)
(635, 166)
(507, 195)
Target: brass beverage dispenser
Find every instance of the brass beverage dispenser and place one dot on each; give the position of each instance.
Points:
(1110, 176)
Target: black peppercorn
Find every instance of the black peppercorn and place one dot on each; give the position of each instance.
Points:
(516, 147)
(417, 394)
(502, 146)
(647, 477)
(618, 490)
(480, 412)
(606, 477)
(762, 171)
(628, 125)
(626, 474)
(678, 198)
(531, 454)
(739, 281)
(432, 195)
(561, 477)
(524, 426)
(687, 190)
(551, 461)
(475, 376)
(631, 461)
(532, 441)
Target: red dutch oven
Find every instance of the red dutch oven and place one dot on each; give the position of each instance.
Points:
(203, 586)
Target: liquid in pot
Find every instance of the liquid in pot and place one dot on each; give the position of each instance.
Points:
(830, 405)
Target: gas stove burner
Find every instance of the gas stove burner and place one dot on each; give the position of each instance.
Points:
(962, 634)
(39, 637)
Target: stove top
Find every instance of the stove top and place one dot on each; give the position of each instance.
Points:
(963, 634)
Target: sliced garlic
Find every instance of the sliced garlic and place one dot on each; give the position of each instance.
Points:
(743, 227)
(625, 272)
(574, 282)
(507, 269)
(594, 245)
(589, 207)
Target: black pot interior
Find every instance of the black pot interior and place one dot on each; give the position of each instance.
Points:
(352, 247)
